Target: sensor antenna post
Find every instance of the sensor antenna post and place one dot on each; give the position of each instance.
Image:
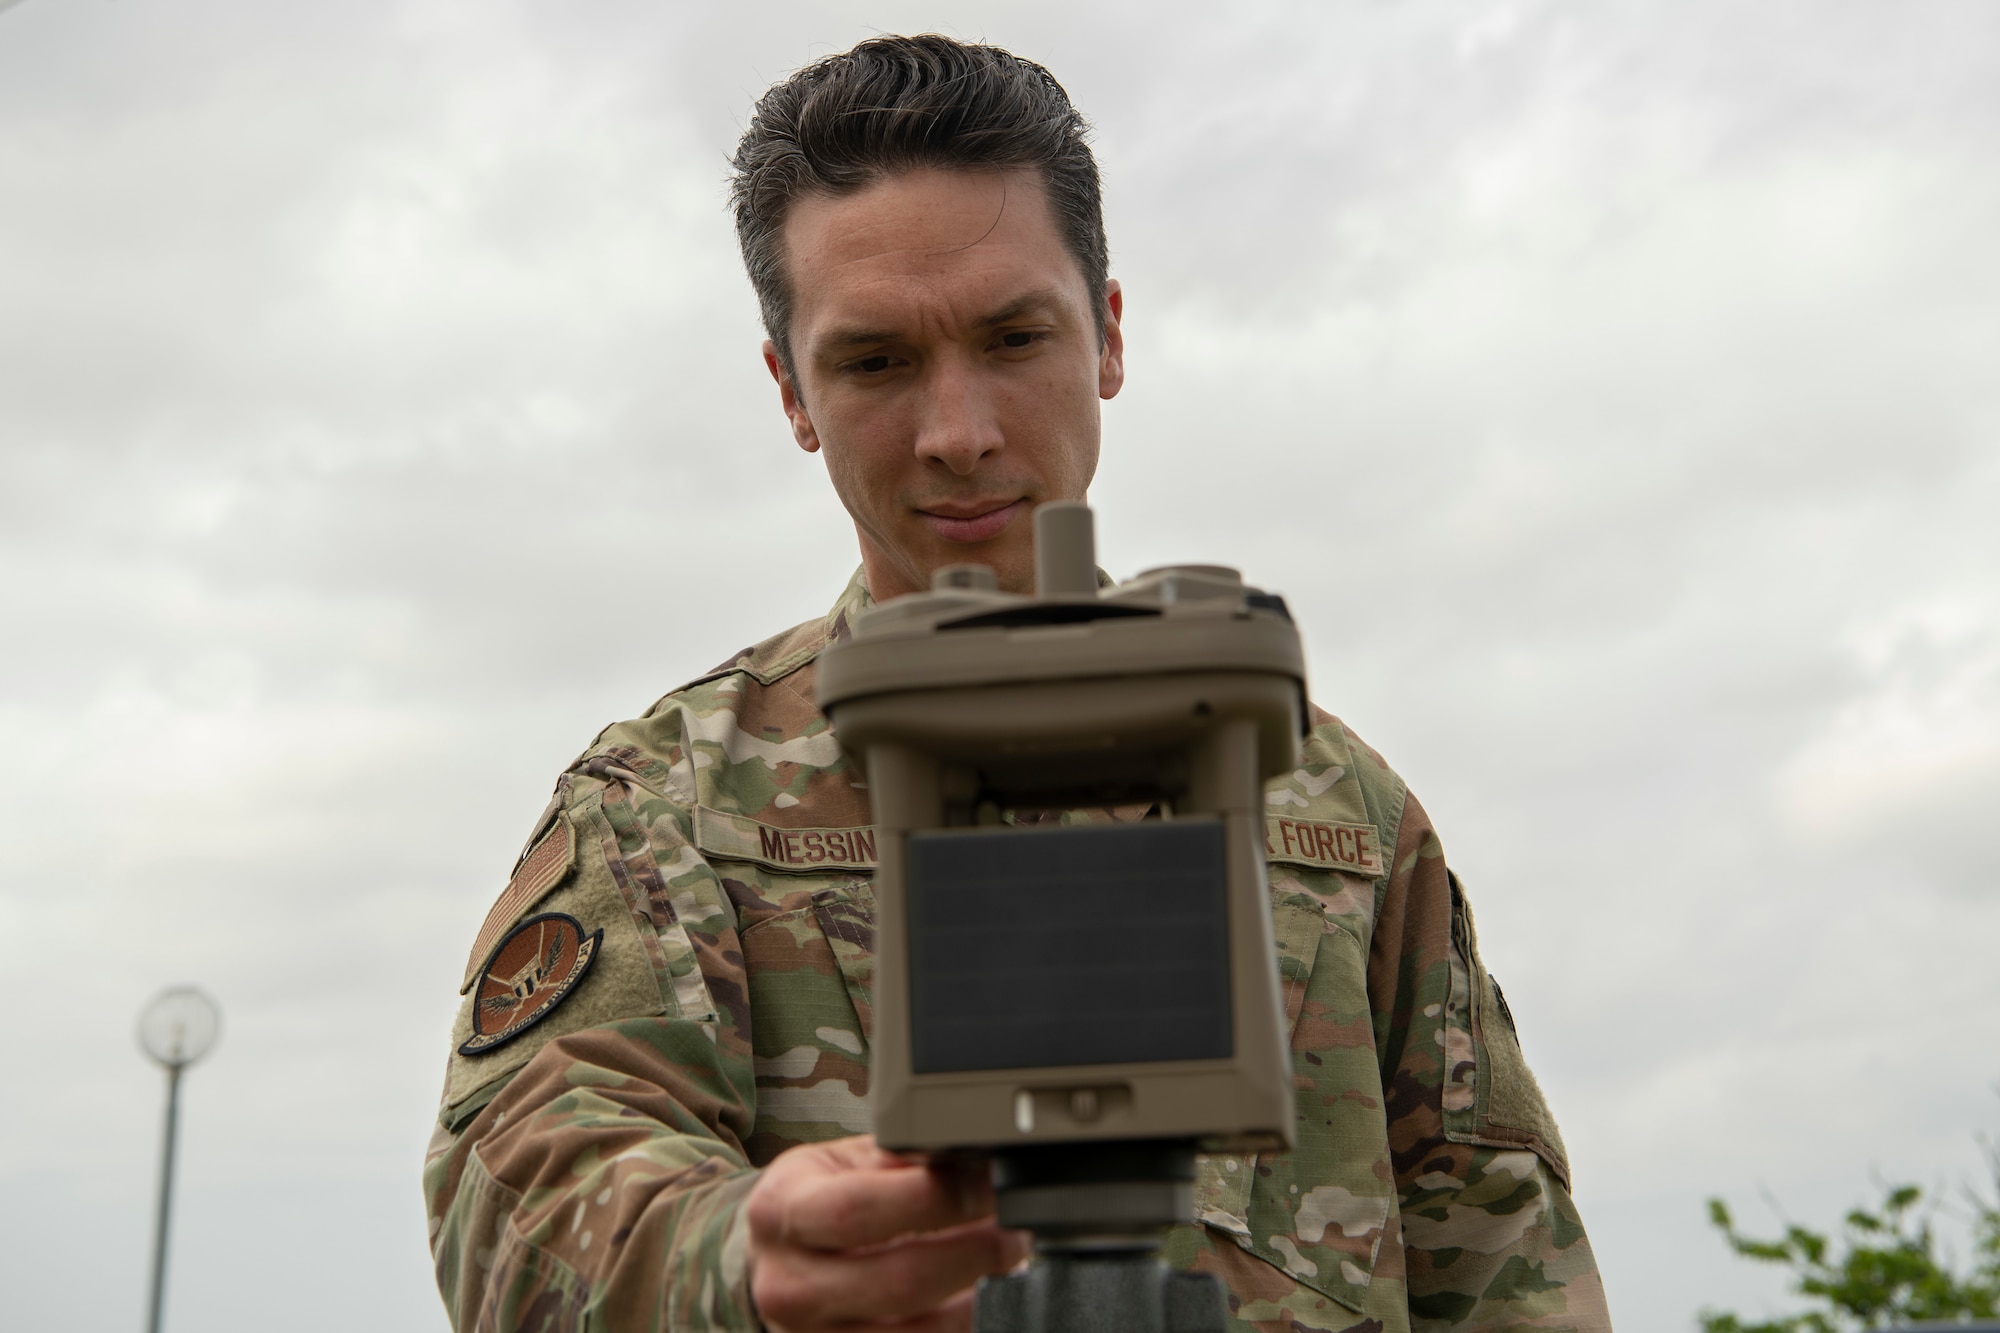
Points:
(1065, 550)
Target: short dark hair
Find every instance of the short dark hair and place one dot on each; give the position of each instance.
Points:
(900, 103)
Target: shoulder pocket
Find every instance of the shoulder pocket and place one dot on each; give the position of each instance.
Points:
(1491, 1097)
(621, 981)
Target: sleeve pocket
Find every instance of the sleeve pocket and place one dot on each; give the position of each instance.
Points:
(1491, 1097)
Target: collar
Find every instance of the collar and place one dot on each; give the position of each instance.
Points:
(851, 603)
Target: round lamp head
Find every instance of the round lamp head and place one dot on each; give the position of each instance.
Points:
(179, 1026)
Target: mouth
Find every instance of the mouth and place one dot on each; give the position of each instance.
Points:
(973, 521)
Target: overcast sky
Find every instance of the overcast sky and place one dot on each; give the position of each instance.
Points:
(1612, 387)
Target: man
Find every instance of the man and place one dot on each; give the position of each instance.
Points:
(654, 1114)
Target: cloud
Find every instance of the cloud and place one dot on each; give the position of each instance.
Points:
(1608, 390)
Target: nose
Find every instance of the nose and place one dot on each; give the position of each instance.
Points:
(960, 423)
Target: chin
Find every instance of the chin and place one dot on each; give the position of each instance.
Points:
(1014, 575)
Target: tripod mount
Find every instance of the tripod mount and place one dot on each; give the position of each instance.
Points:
(1098, 1212)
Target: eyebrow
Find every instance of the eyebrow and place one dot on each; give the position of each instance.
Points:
(1041, 299)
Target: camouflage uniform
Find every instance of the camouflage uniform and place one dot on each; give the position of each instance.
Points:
(589, 1174)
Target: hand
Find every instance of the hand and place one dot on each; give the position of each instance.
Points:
(843, 1234)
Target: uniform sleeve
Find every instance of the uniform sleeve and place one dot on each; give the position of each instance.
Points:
(598, 1183)
(1491, 1237)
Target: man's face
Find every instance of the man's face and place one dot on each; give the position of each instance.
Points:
(947, 365)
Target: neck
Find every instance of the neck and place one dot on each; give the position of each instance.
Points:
(886, 576)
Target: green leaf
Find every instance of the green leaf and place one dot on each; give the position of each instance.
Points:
(1885, 1269)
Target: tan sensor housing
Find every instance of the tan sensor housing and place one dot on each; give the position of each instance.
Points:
(1041, 983)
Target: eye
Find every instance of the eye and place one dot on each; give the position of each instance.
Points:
(872, 365)
(1017, 338)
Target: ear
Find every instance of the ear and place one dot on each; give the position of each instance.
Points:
(788, 396)
(1111, 357)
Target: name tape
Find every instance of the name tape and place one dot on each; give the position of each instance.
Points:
(1323, 846)
(740, 838)
(1315, 844)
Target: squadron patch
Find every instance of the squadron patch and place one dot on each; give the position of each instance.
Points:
(534, 969)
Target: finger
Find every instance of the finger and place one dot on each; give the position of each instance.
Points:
(855, 1152)
(856, 1209)
(911, 1278)
(954, 1316)
(791, 1176)
(968, 1172)
(971, 1175)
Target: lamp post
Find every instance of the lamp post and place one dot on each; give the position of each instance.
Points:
(176, 1029)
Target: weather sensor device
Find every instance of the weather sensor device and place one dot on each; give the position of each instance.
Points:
(1088, 997)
